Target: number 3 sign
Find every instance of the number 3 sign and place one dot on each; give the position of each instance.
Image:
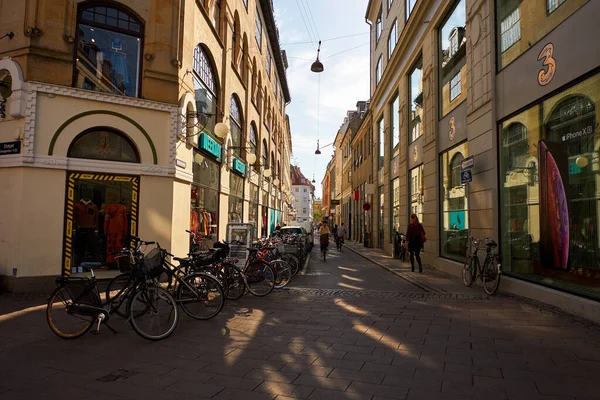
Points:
(545, 75)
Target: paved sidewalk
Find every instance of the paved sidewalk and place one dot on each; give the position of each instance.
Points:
(430, 280)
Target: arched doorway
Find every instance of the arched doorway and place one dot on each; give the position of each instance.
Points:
(101, 209)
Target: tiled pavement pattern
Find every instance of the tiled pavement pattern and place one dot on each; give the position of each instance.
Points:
(314, 344)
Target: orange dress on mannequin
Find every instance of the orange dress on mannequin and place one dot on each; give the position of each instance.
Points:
(115, 227)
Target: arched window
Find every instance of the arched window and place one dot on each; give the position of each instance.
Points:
(205, 88)
(253, 139)
(265, 155)
(236, 123)
(455, 170)
(103, 144)
(109, 45)
(515, 140)
(573, 114)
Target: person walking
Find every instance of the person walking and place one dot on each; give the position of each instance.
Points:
(324, 239)
(415, 235)
(340, 235)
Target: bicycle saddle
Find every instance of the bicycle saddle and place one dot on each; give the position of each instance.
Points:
(491, 243)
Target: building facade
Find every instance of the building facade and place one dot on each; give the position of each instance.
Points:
(484, 125)
(108, 127)
(303, 192)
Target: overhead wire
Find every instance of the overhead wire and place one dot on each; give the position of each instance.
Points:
(305, 25)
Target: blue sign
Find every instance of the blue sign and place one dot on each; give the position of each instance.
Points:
(209, 145)
(238, 166)
(466, 176)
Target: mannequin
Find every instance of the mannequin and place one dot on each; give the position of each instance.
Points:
(115, 227)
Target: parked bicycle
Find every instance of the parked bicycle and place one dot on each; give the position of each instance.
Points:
(75, 304)
(491, 270)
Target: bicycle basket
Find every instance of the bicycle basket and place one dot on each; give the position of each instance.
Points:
(152, 263)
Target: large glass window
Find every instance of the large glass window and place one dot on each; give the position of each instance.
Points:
(205, 89)
(381, 130)
(410, 5)
(395, 123)
(453, 60)
(522, 23)
(235, 124)
(416, 101)
(417, 198)
(393, 38)
(395, 217)
(103, 144)
(109, 47)
(236, 197)
(381, 208)
(253, 211)
(550, 191)
(454, 227)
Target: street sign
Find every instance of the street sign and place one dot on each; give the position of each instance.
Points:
(466, 176)
(467, 163)
(10, 148)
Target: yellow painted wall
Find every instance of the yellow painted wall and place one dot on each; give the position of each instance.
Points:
(180, 218)
(156, 209)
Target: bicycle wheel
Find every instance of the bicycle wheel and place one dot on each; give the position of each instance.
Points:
(200, 296)
(219, 275)
(153, 313)
(292, 261)
(235, 281)
(491, 276)
(469, 270)
(260, 278)
(63, 321)
(283, 273)
(114, 291)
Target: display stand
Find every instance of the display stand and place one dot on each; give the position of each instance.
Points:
(238, 233)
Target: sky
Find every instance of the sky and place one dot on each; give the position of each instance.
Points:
(317, 110)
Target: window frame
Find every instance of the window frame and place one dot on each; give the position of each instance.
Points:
(456, 84)
(408, 9)
(258, 30)
(379, 25)
(516, 24)
(378, 71)
(393, 31)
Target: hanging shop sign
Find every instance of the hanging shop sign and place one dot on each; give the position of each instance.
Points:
(10, 148)
(366, 206)
(335, 202)
(238, 166)
(209, 145)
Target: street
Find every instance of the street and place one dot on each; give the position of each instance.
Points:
(344, 329)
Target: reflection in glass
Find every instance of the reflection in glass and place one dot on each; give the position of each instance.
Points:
(396, 206)
(550, 169)
(454, 228)
(236, 197)
(103, 144)
(453, 68)
(235, 124)
(417, 198)
(204, 89)
(416, 101)
(395, 125)
(380, 128)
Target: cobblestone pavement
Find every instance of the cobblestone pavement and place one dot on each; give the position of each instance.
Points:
(315, 341)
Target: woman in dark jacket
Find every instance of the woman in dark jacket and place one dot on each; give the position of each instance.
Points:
(414, 236)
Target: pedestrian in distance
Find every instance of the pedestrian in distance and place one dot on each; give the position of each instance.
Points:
(324, 233)
(415, 235)
(340, 234)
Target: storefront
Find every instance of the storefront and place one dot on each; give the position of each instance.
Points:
(204, 211)
(395, 217)
(550, 191)
(253, 214)
(236, 192)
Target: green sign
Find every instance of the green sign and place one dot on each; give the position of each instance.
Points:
(209, 145)
(239, 166)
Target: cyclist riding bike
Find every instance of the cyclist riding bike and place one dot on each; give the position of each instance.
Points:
(339, 238)
(324, 234)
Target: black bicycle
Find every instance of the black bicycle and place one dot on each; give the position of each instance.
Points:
(75, 304)
(491, 270)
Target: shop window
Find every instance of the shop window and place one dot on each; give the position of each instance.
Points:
(453, 64)
(103, 144)
(416, 100)
(253, 211)
(522, 23)
(510, 30)
(235, 124)
(550, 201)
(378, 27)
(101, 216)
(236, 198)
(395, 210)
(455, 87)
(204, 204)
(410, 5)
(553, 5)
(395, 123)
(205, 89)
(454, 227)
(378, 71)
(109, 45)
(393, 38)
(417, 198)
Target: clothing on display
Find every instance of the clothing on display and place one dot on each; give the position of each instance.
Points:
(86, 215)
(115, 227)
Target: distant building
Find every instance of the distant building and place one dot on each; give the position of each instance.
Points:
(303, 191)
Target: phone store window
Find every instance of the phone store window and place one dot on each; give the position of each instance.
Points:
(550, 191)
